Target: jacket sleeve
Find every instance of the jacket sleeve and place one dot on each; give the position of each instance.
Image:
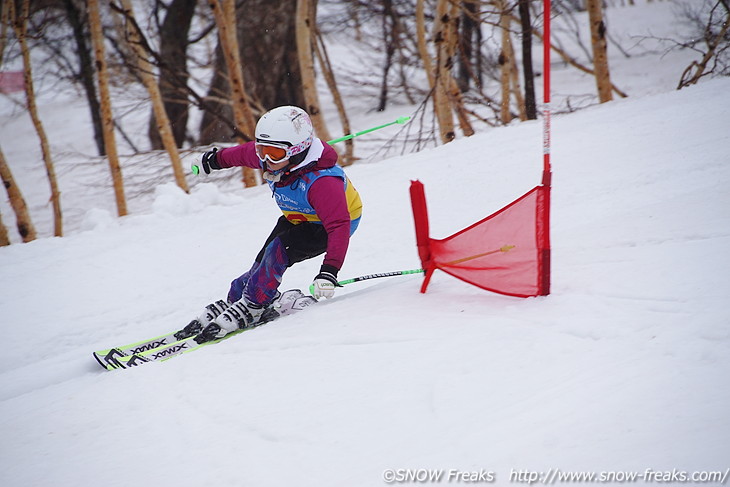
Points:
(327, 197)
(240, 155)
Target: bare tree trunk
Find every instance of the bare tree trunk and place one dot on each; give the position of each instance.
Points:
(4, 23)
(97, 40)
(225, 19)
(600, 56)
(687, 79)
(144, 68)
(527, 71)
(17, 202)
(306, 22)
(4, 238)
(217, 124)
(479, 60)
(422, 46)
(390, 36)
(86, 70)
(173, 78)
(20, 26)
(455, 96)
(329, 76)
(505, 64)
(442, 74)
(266, 34)
(509, 62)
(515, 82)
(426, 56)
(466, 44)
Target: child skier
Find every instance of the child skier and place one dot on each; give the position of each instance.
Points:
(321, 210)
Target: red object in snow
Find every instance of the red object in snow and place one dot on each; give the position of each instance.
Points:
(507, 252)
(11, 81)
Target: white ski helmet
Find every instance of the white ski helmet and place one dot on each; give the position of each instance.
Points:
(288, 126)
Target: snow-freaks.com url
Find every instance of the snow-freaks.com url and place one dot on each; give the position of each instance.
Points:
(555, 476)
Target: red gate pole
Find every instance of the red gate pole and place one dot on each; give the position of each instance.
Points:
(546, 94)
(544, 220)
(423, 239)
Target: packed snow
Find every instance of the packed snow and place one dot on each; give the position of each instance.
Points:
(623, 368)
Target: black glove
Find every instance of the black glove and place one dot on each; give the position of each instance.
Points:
(210, 161)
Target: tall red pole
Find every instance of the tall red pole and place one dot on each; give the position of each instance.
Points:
(546, 94)
(544, 205)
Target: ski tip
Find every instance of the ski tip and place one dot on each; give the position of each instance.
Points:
(103, 365)
(111, 359)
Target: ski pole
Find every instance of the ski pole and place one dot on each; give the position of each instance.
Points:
(373, 276)
(400, 120)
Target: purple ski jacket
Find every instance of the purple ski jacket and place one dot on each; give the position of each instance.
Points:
(336, 205)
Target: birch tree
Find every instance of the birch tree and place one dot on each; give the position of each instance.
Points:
(600, 56)
(142, 65)
(442, 107)
(453, 91)
(225, 19)
(107, 119)
(4, 237)
(329, 76)
(306, 19)
(20, 26)
(422, 43)
(444, 88)
(17, 202)
(505, 63)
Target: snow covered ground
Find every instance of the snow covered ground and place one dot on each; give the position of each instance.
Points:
(623, 368)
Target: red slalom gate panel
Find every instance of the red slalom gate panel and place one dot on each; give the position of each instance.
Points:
(507, 252)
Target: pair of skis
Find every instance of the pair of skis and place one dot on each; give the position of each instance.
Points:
(178, 342)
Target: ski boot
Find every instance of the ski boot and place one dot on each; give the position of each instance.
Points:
(240, 315)
(212, 311)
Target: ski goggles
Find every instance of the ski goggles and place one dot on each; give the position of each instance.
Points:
(273, 152)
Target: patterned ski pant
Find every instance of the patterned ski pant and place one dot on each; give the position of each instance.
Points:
(287, 245)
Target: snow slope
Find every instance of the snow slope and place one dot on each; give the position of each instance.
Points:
(623, 367)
